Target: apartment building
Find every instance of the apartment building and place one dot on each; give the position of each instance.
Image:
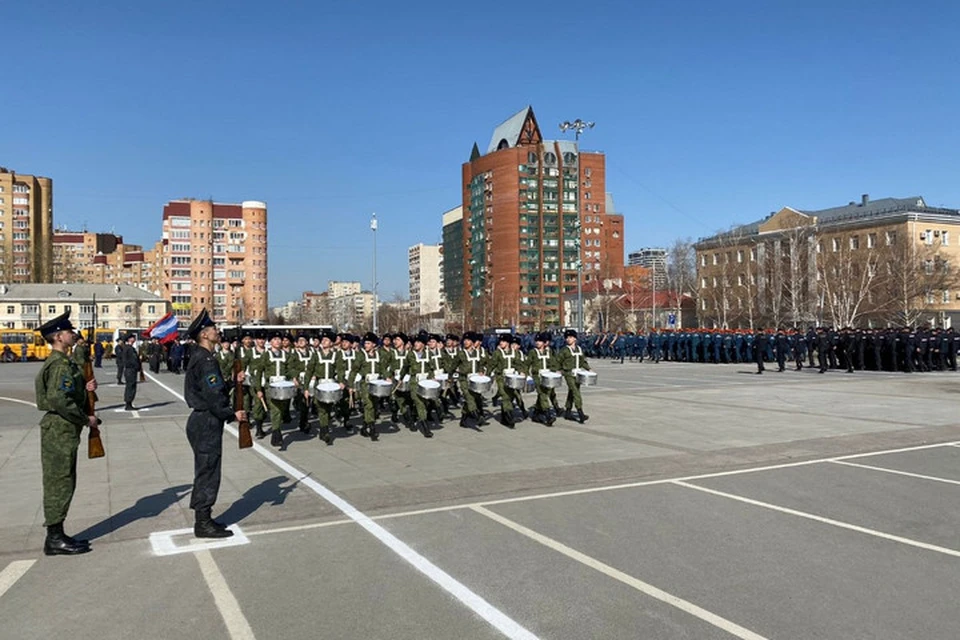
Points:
(26, 228)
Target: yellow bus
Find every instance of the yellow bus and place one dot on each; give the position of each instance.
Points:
(12, 342)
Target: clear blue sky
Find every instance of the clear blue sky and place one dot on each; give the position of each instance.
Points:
(710, 113)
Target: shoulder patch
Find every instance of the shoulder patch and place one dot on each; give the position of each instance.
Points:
(214, 381)
(66, 382)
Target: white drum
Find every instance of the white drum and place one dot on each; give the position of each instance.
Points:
(428, 389)
(379, 388)
(328, 392)
(550, 379)
(443, 379)
(479, 383)
(585, 378)
(281, 390)
(404, 384)
(530, 386)
(515, 381)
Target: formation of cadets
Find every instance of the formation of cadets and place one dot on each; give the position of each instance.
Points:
(418, 381)
(848, 349)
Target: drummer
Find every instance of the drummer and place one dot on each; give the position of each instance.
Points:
(571, 357)
(275, 365)
(541, 359)
(502, 363)
(451, 356)
(303, 366)
(249, 355)
(370, 364)
(401, 399)
(419, 366)
(472, 360)
(345, 357)
(516, 344)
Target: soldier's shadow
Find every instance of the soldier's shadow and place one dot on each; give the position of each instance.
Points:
(269, 491)
(146, 507)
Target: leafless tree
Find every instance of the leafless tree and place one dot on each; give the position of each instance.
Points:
(682, 273)
(913, 279)
(846, 276)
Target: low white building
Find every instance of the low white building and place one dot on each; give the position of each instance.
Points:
(425, 268)
(27, 306)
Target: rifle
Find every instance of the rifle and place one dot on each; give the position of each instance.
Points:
(94, 443)
(243, 428)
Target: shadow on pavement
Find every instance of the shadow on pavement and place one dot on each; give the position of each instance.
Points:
(269, 491)
(146, 507)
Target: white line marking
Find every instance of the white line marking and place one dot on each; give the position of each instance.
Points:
(821, 519)
(19, 401)
(896, 472)
(13, 572)
(644, 587)
(237, 625)
(163, 544)
(506, 625)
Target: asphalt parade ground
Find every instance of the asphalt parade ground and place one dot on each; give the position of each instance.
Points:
(698, 501)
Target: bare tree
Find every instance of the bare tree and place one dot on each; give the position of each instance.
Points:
(913, 278)
(847, 274)
(681, 273)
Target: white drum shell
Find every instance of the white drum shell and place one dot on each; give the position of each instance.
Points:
(444, 380)
(404, 384)
(515, 381)
(379, 388)
(428, 389)
(281, 391)
(550, 380)
(328, 392)
(479, 384)
(586, 378)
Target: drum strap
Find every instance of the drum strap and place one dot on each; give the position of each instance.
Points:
(326, 362)
(277, 358)
(544, 357)
(473, 360)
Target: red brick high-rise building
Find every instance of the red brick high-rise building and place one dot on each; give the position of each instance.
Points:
(531, 209)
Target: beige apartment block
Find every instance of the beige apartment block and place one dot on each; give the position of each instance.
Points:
(27, 306)
(26, 228)
(215, 257)
(425, 270)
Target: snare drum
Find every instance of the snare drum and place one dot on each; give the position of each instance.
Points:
(550, 379)
(379, 388)
(404, 385)
(444, 380)
(479, 383)
(585, 378)
(515, 381)
(328, 392)
(281, 390)
(428, 389)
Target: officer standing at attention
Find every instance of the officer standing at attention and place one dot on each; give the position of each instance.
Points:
(208, 394)
(62, 395)
(129, 360)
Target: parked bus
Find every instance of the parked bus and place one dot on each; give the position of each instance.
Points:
(13, 340)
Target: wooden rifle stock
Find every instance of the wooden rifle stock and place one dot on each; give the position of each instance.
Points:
(243, 428)
(94, 443)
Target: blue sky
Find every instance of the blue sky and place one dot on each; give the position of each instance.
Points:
(710, 113)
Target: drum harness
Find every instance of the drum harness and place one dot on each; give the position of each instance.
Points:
(544, 359)
(326, 364)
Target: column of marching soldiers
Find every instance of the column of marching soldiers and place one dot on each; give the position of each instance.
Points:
(416, 380)
(904, 349)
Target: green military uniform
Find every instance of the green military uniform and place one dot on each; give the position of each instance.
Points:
(501, 363)
(418, 366)
(302, 368)
(61, 394)
(249, 357)
(470, 361)
(367, 367)
(81, 355)
(274, 366)
(543, 360)
(401, 399)
(345, 358)
(570, 358)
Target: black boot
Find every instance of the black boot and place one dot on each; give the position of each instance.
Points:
(425, 429)
(374, 434)
(261, 434)
(506, 418)
(548, 418)
(276, 438)
(304, 428)
(364, 431)
(523, 410)
(568, 415)
(326, 436)
(58, 543)
(581, 417)
(205, 527)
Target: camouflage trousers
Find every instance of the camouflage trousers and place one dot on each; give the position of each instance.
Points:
(59, 441)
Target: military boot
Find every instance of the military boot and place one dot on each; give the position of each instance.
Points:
(374, 435)
(581, 417)
(58, 543)
(424, 429)
(276, 438)
(205, 527)
(326, 436)
(261, 434)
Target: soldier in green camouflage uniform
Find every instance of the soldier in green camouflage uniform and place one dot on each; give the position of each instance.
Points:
(418, 366)
(370, 364)
(81, 352)
(569, 358)
(62, 396)
(274, 365)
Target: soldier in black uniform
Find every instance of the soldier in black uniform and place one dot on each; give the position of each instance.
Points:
(759, 346)
(129, 363)
(208, 394)
(823, 345)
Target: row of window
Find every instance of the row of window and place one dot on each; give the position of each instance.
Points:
(85, 309)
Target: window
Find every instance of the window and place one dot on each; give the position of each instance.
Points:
(836, 245)
(740, 280)
(946, 296)
(739, 256)
(928, 267)
(10, 308)
(703, 260)
(703, 283)
(105, 309)
(854, 242)
(944, 238)
(753, 254)
(890, 237)
(52, 309)
(151, 308)
(587, 172)
(714, 281)
(928, 236)
(871, 240)
(716, 260)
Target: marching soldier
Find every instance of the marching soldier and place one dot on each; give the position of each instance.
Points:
(370, 364)
(451, 356)
(206, 391)
(570, 358)
(325, 370)
(502, 363)
(225, 359)
(472, 359)
(81, 352)
(303, 364)
(275, 365)
(417, 366)
(62, 396)
(129, 360)
(401, 399)
(345, 357)
(539, 359)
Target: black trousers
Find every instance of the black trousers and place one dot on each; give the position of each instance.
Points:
(130, 376)
(205, 434)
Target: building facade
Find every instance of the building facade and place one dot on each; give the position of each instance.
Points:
(887, 262)
(653, 258)
(215, 257)
(27, 306)
(26, 228)
(533, 211)
(340, 288)
(452, 272)
(104, 258)
(425, 271)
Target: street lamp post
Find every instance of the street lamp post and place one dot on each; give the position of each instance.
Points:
(373, 227)
(578, 127)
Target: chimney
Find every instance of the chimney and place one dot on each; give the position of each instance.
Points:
(864, 199)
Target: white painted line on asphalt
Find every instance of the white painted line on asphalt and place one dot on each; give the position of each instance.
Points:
(237, 625)
(644, 587)
(19, 401)
(301, 527)
(920, 447)
(896, 472)
(496, 618)
(163, 544)
(13, 572)
(830, 521)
